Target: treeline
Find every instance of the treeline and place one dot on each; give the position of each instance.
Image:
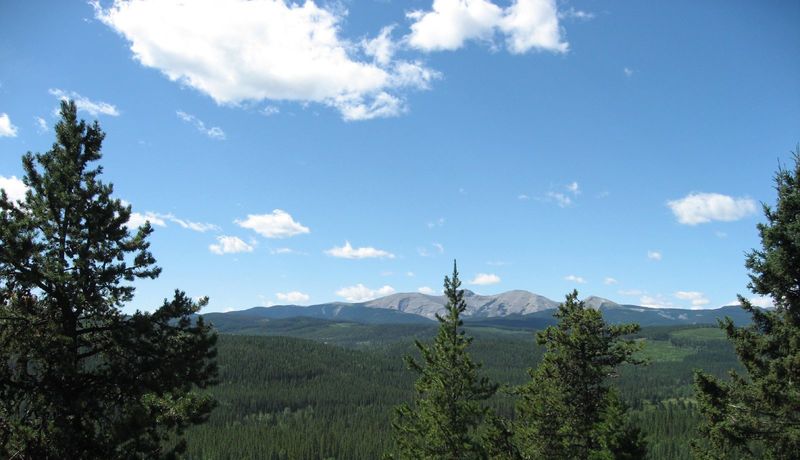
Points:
(283, 397)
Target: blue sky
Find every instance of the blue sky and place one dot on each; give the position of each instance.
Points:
(344, 150)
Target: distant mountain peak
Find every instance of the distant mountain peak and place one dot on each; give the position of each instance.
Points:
(517, 302)
(596, 302)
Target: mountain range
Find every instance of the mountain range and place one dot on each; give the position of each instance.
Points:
(512, 309)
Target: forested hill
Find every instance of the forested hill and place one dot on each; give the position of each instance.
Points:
(289, 398)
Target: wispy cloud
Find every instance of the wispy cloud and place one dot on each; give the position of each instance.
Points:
(438, 248)
(698, 299)
(654, 255)
(41, 125)
(270, 110)
(361, 293)
(292, 296)
(559, 198)
(284, 250)
(138, 219)
(84, 104)
(436, 223)
(160, 220)
(214, 132)
(367, 252)
(608, 281)
(657, 301)
(579, 15)
(574, 188)
(575, 279)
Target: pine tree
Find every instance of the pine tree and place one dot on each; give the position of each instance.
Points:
(568, 410)
(448, 416)
(78, 378)
(758, 415)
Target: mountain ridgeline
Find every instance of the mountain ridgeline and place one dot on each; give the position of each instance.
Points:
(516, 309)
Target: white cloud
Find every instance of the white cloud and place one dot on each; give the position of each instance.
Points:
(7, 129)
(630, 292)
(523, 197)
(410, 274)
(270, 110)
(700, 208)
(657, 301)
(201, 227)
(215, 132)
(85, 104)
(160, 220)
(41, 124)
(361, 293)
(349, 252)
(382, 47)
(450, 23)
(525, 24)
(761, 301)
(559, 198)
(627, 71)
(436, 223)
(278, 224)
(136, 220)
(284, 251)
(239, 51)
(485, 279)
(497, 263)
(293, 296)
(426, 290)
(574, 188)
(609, 281)
(654, 255)
(572, 13)
(575, 279)
(229, 245)
(424, 252)
(15, 188)
(698, 299)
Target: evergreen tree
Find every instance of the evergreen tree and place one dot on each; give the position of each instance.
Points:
(78, 378)
(567, 410)
(448, 416)
(758, 415)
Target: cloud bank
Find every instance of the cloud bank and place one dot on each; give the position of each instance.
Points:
(238, 51)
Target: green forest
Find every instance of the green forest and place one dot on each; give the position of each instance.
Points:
(285, 397)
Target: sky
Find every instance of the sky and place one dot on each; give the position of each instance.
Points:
(302, 153)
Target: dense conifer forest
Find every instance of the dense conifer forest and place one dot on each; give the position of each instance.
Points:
(286, 397)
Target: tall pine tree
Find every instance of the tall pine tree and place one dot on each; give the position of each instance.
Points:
(78, 378)
(568, 410)
(448, 417)
(758, 415)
